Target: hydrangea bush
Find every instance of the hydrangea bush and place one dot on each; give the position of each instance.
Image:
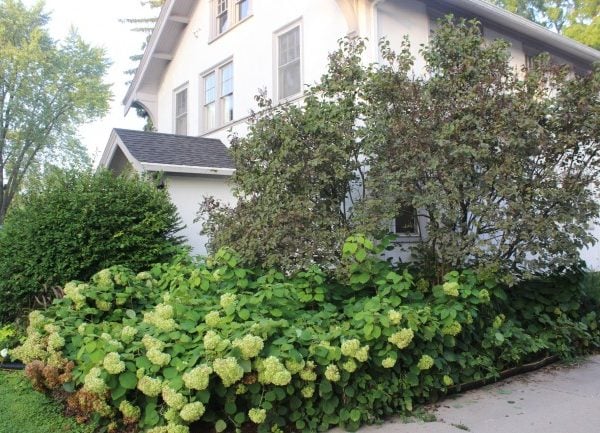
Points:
(193, 346)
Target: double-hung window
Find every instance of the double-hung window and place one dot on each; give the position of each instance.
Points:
(181, 111)
(218, 96)
(289, 63)
(227, 13)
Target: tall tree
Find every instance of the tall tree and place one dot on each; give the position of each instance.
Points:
(577, 19)
(47, 89)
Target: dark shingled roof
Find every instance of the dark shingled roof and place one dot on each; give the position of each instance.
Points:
(156, 148)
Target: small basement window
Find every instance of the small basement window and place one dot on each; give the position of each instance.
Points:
(406, 222)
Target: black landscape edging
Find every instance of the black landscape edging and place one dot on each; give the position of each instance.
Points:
(12, 366)
(525, 368)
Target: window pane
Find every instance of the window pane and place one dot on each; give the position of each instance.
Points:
(289, 80)
(181, 125)
(210, 88)
(222, 16)
(289, 46)
(227, 79)
(289, 63)
(406, 221)
(227, 108)
(243, 9)
(181, 102)
(210, 116)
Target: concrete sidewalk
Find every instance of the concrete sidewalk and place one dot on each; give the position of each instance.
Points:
(555, 399)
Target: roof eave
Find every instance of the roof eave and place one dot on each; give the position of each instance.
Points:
(157, 32)
(528, 28)
(187, 169)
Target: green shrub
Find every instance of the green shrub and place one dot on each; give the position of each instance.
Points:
(214, 345)
(74, 226)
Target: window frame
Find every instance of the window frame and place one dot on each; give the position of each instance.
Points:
(232, 9)
(177, 91)
(219, 97)
(296, 24)
(416, 233)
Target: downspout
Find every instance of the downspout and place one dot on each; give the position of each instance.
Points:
(375, 29)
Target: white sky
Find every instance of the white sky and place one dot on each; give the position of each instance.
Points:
(98, 23)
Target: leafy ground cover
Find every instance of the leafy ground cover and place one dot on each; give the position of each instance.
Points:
(25, 411)
(209, 346)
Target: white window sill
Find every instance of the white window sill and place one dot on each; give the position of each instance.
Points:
(215, 37)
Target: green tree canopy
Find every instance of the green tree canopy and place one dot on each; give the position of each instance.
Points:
(47, 89)
(501, 164)
(577, 19)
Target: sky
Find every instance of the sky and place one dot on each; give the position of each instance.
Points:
(98, 23)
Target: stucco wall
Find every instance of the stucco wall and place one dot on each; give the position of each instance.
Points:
(187, 193)
(251, 47)
(592, 255)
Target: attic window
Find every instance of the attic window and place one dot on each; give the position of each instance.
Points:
(243, 9)
(222, 16)
(227, 13)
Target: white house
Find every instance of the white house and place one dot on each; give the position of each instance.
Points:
(207, 59)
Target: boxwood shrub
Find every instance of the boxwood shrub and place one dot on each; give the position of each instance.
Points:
(211, 346)
(77, 224)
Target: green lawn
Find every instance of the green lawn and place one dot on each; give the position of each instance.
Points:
(23, 410)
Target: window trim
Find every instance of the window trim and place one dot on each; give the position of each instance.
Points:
(176, 91)
(233, 17)
(276, 34)
(219, 118)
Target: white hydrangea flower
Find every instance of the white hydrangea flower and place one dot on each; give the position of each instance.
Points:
(157, 357)
(213, 319)
(451, 288)
(192, 411)
(211, 340)
(227, 299)
(93, 383)
(150, 343)
(172, 397)
(228, 370)
(198, 377)
(128, 333)
(257, 416)
(332, 373)
(249, 345)
(130, 411)
(425, 363)
(150, 386)
(402, 338)
(113, 364)
(271, 370)
(388, 362)
(395, 317)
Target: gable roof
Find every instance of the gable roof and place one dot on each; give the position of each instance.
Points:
(176, 14)
(152, 151)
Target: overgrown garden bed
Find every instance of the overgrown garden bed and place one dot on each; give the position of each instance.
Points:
(195, 347)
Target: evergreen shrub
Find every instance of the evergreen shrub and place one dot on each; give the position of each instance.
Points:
(77, 224)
